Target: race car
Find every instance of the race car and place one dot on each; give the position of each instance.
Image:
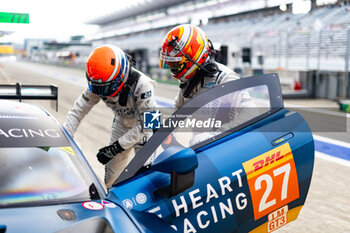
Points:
(217, 164)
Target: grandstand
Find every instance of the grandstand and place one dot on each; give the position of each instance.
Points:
(277, 40)
(268, 32)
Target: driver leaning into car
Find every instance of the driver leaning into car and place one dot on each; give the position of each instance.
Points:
(125, 90)
(190, 56)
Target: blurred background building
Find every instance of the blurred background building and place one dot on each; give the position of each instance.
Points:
(306, 41)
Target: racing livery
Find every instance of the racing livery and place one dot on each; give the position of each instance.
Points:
(253, 177)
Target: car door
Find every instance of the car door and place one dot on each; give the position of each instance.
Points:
(233, 159)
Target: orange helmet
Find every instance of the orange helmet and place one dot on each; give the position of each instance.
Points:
(107, 69)
(185, 48)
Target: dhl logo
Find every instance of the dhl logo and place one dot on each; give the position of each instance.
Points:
(268, 160)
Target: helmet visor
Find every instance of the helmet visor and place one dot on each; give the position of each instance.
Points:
(105, 89)
(168, 62)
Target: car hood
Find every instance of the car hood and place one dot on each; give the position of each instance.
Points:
(99, 217)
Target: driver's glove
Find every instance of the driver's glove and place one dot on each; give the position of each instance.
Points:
(105, 154)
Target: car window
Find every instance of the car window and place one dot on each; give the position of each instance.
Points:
(216, 117)
(237, 104)
(32, 175)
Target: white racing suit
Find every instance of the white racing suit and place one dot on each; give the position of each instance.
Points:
(126, 127)
(238, 105)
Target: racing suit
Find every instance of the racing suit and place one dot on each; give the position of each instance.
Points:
(238, 105)
(223, 75)
(127, 125)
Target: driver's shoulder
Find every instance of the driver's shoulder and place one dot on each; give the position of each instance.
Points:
(225, 74)
(143, 84)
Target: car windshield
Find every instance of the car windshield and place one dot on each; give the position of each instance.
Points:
(42, 175)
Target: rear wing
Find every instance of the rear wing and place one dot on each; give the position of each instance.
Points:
(32, 92)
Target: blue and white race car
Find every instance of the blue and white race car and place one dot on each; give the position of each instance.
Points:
(246, 175)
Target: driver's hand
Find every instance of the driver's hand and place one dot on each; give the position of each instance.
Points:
(105, 154)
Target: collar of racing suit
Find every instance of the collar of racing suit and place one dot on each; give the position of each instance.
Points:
(133, 78)
(208, 69)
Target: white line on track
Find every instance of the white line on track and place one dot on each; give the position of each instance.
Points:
(332, 141)
(332, 159)
(318, 110)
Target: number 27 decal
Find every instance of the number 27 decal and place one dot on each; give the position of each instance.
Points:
(272, 180)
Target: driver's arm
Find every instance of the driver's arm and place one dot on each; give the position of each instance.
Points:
(82, 106)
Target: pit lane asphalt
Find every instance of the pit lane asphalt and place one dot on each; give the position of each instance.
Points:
(327, 208)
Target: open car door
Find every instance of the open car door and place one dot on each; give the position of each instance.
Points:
(245, 165)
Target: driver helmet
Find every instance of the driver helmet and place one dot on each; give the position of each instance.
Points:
(107, 70)
(184, 49)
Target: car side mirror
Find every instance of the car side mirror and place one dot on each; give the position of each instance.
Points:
(181, 163)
